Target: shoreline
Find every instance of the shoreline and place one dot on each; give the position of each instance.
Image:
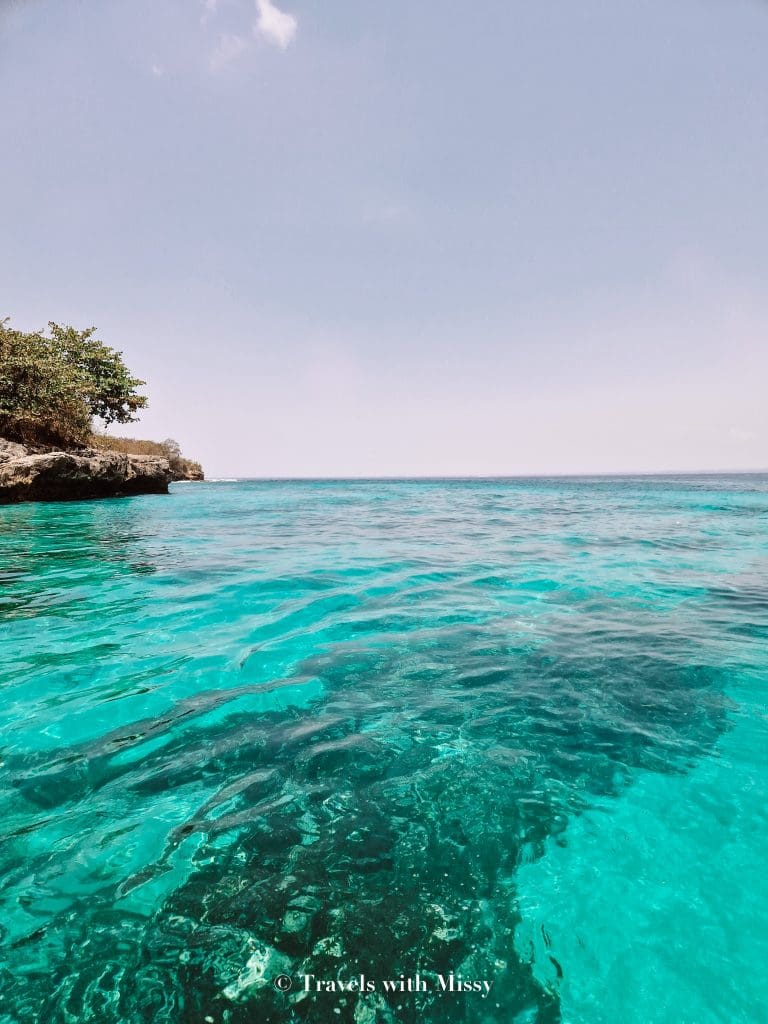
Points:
(36, 473)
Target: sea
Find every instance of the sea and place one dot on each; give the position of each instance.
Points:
(267, 746)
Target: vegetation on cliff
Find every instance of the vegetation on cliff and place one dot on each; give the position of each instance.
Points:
(55, 383)
(181, 468)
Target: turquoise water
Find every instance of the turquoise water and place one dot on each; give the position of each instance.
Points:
(514, 730)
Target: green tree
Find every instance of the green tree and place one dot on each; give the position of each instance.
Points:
(107, 387)
(51, 385)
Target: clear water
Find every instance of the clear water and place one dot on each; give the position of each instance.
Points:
(510, 729)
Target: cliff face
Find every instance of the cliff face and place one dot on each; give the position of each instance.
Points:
(28, 474)
(185, 469)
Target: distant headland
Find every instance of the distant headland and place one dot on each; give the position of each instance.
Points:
(54, 386)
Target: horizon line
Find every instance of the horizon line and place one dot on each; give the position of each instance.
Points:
(492, 476)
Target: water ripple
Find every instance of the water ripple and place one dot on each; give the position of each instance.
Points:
(335, 727)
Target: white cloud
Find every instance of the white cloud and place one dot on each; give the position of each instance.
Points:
(209, 11)
(158, 70)
(275, 25)
(229, 47)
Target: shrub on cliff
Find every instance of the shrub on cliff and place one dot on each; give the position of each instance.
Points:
(181, 468)
(52, 384)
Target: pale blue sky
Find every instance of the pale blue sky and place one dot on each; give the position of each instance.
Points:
(407, 238)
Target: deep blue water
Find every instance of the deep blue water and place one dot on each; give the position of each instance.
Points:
(514, 730)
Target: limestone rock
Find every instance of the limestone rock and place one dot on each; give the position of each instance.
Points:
(28, 474)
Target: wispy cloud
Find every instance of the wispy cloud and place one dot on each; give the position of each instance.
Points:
(386, 213)
(274, 25)
(740, 434)
(271, 24)
(228, 48)
(209, 10)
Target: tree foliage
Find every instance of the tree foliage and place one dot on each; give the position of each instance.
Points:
(52, 384)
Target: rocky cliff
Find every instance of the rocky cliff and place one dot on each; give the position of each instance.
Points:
(185, 469)
(35, 474)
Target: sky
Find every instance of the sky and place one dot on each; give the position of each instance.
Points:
(347, 238)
